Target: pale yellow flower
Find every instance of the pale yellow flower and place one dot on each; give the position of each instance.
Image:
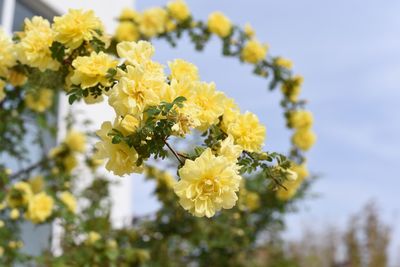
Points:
(7, 53)
(283, 62)
(92, 238)
(2, 92)
(76, 141)
(130, 123)
(69, 162)
(183, 70)
(249, 31)
(1, 252)
(92, 70)
(34, 47)
(69, 201)
(292, 186)
(253, 51)
(229, 150)
(301, 119)
(219, 24)
(207, 184)
(39, 100)
(2, 224)
(40, 207)
(304, 139)
(126, 31)
(178, 10)
(19, 195)
(292, 88)
(152, 21)
(76, 27)
(135, 53)
(14, 214)
(247, 132)
(120, 158)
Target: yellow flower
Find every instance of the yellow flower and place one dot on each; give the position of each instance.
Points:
(207, 184)
(291, 88)
(253, 51)
(40, 207)
(92, 70)
(2, 92)
(293, 185)
(301, 119)
(152, 21)
(1, 224)
(69, 162)
(39, 100)
(249, 31)
(76, 141)
(128, 14)
(92, 238)
(16, 78)
(36, 183)
(304, 139)
(34, 47)
(1, 252)
(210, 102)
(178, 10)
(127, 31)
(7, 53)
(14, 214)
(69, 201)
(135, 53)
(283, 62)
(15, 244)
(135, 91)
(19, 195)
(121, 159)
(112, 244)
(181, 70)
(247, 132)
(130, 123)
(76, 26)
(252, 201)
(229, 150)
(219, 24)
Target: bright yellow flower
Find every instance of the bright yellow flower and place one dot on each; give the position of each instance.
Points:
(253, 51)
(248, 132)
(76, 26)
(210, 102)
(34, 47)
(36, 183)
(39, 100)
(293, 185)
(2, 92)
(92, 70)
(229, 150)
(178, 10)
(128, 14)
(283, 62)
(135, 91)
(219, 24)
(183, 70)
(40, 207)
(19, 195)
(292, 88)
(301, 119)
(69, 201)
(207, 184)
(130, 123)
(7, 53)
(127, 31)
(92, 238)
(152, 21)
(121, 159)
(76, 141)
(135, 53)
(304, 139)
(249, 31)
(14, 214)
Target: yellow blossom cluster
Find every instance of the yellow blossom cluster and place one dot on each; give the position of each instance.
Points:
(302, 121)
(291, 186)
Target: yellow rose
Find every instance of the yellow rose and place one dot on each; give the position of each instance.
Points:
(92, 70)
(292, 186)
(40, 207)
(36, 183)
(292, 87)
(219, 24)
(76, 141)
(16, 78)
(69, 162)
(14, 214)
(76, 27)
(39, 100)
(2, 92)
(253, 51)
(283, 62)
(181, 70)
(7, 53)
(19, 195)
(178, 10)
(304, 139)
(69, 201)
(301, 119)
(229, 150)
(249, 31)
(92, 238)
(128, 14)
(207, 184)
(152, 21)
(127, 31)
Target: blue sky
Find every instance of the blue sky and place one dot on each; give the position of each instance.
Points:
(349, 54)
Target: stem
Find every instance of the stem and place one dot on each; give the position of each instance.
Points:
(173, 152)
(28, 169)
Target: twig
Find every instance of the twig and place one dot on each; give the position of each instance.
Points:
(173, 152)
(28, 169)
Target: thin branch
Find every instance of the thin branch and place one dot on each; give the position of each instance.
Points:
(28, 169)
(182, 155)
(173, 152)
